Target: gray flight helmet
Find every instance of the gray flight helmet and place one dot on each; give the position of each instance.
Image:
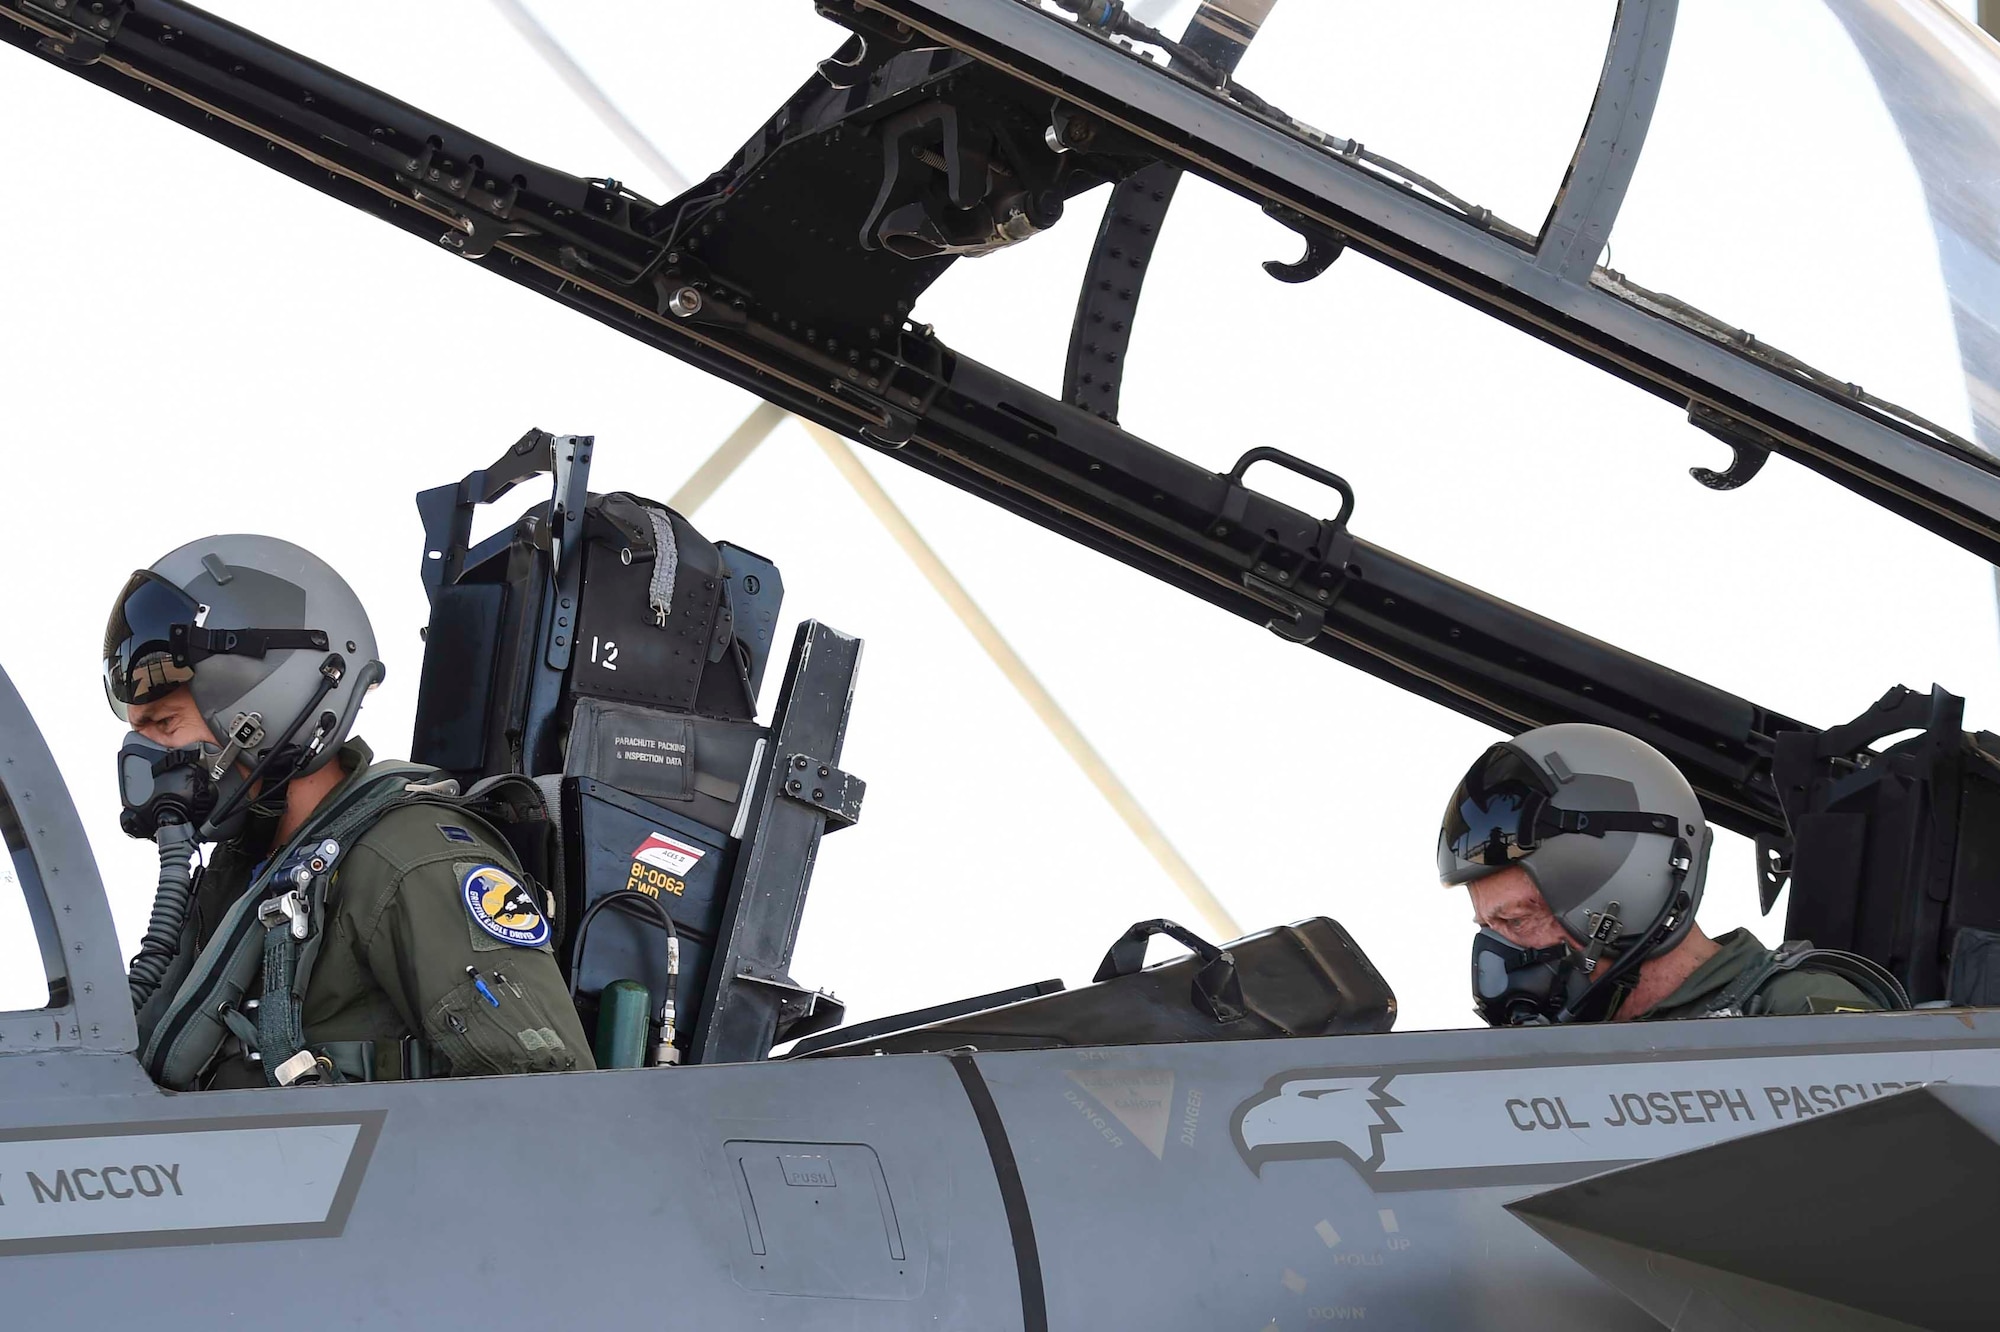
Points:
(277, 637)
(1600, 820)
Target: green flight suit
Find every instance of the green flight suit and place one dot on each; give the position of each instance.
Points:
(1709, 992)
(400, 937)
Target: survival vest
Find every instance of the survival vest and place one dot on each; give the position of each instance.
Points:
(275, 928)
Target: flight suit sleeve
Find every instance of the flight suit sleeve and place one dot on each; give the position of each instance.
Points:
(463, 966)
(1804, 990)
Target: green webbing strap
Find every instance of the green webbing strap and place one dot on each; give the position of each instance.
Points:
(192, 1027)
(289, 960)
(280, 1016)
(288, 957)
(240, 1027)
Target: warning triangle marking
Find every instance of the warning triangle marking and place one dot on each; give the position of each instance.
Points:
(1141, 1099)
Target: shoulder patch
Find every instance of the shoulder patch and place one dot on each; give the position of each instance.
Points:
(503, 906)
(453, 833)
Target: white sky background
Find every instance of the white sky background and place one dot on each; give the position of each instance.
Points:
(193, 343)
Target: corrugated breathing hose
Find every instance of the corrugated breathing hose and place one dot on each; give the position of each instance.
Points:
(171, 901)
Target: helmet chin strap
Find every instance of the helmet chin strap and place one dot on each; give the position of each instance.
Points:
(1609, 990)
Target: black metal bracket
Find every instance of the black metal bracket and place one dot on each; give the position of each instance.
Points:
(1311, 471)
(1751, 446)
(570, 459)
(88, 26)
(1279, 579)
(988, 199)
(1322, 247)
(1774, 869)
(826, 788)
(446, 511)
(750, 1002)
(802, 1010)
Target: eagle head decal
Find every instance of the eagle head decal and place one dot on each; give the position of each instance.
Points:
(1306, 1114)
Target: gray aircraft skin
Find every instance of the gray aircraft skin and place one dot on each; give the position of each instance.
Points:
(1832, 1171)
(1208, 1185)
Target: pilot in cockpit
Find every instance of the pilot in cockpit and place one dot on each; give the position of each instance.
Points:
(1584, 851)
(352, 923)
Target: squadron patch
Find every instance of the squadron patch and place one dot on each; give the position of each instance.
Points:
(504, 907)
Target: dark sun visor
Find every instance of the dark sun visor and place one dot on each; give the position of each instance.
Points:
(1491, 818)
(155, 638)
(139, 657)
(1502, 811)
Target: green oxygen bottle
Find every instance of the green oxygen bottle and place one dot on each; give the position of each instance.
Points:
(623, 1011)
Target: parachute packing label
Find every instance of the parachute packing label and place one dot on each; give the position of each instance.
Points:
(664, 853)
(503, 907)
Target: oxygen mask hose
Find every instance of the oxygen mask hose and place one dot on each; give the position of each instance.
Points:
(166, 793)
(171, 900)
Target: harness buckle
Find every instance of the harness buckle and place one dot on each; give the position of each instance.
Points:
(289, 906)
(303, 1067)
(315, 861)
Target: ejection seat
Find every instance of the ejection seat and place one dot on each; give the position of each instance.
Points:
(607, 649)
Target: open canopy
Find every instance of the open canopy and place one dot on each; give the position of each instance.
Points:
(947, 128)
(1535, 259)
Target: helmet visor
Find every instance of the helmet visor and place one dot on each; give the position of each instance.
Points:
(139, 663)
(1490, 821)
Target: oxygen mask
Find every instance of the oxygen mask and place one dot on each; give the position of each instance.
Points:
(1521, 987)
(160, 787)
(167, 795)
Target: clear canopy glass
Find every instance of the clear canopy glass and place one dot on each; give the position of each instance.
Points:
(1492, 139)
(1818, 186)
(1497, 133)
(1939, 77)
(1823, 176)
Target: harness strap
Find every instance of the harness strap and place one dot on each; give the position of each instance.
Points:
(191, 1029)
(279, 924)
(244, 1030)
(379, 1061)
(280, 1028)
(1730, 1002)
(1873, 980)
(295, 925)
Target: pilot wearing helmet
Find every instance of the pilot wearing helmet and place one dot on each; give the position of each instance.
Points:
(1584, 852)
(355, 920)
